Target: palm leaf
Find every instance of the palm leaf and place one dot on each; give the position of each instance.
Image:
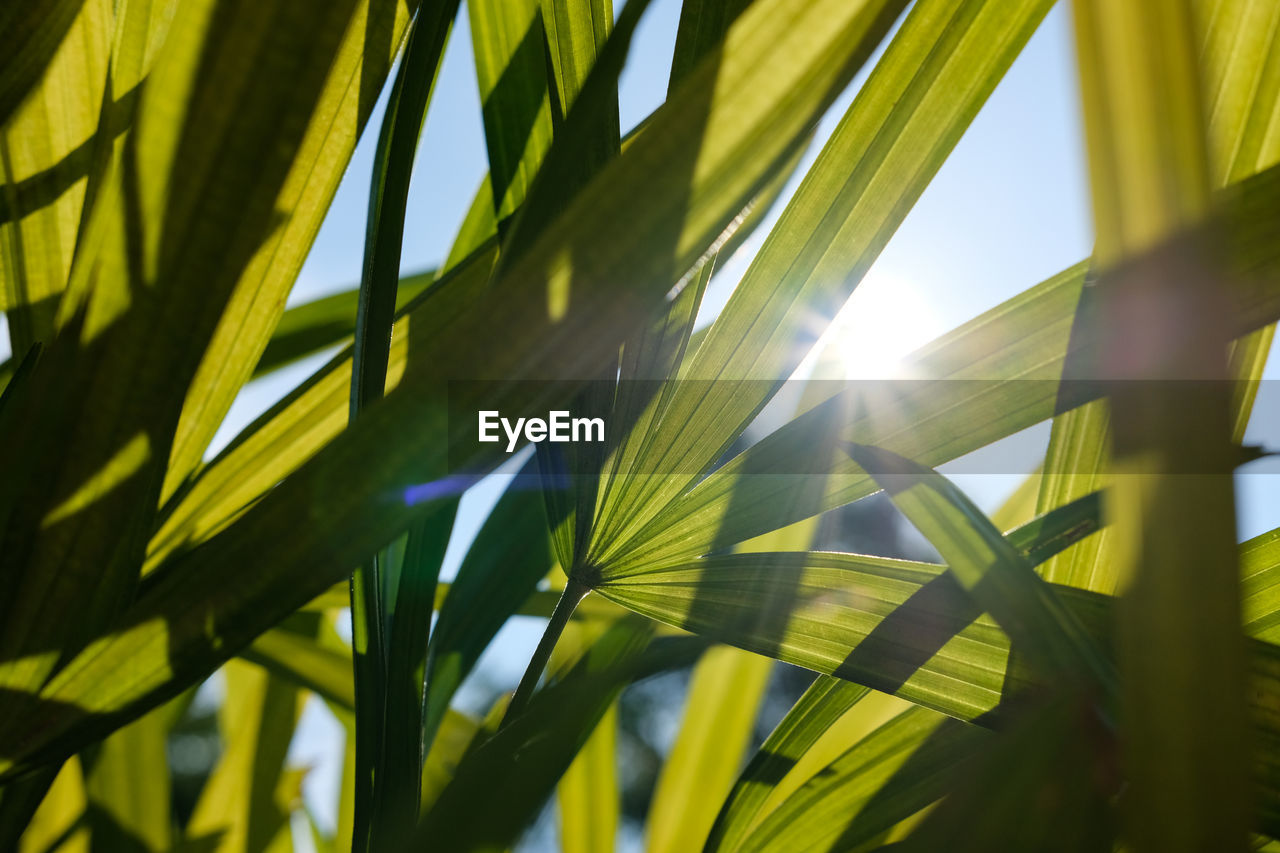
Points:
(386, 704)
(587, 794)
(471, 813)
(239, 805)
(832, 230)
(886, 777)
(989, 567)
(330, 321)
(124, 360)
(1151, 190)
(58, 824)
(813, 714)
(37, 30)
(989, 378)
(1235, 50)
(128, 785)
(46, 149)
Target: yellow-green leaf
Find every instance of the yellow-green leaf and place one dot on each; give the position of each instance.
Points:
(46, 149)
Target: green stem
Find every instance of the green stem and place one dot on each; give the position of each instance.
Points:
(368, 663)
(574, 592)
(375, 311)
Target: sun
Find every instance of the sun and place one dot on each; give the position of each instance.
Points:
(885, 319)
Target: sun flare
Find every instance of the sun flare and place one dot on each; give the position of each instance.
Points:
(885, 320)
